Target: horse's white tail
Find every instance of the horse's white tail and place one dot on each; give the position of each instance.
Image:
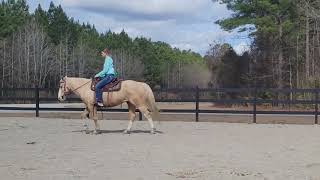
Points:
(152, 104)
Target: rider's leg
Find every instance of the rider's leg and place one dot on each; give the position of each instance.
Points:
(100, 86)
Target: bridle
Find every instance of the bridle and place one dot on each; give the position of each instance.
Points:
(68, 91)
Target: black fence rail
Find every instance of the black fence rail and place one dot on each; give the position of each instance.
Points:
(309, 98)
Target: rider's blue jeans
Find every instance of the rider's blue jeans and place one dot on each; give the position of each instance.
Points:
(106, 80)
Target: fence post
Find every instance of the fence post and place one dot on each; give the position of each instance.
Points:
(37, 98)
(255, 105)
(316, 107)
(197, 104)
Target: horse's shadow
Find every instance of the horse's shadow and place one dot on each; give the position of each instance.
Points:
(119, 131)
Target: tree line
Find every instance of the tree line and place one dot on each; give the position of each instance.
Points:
(41, 47)
(285, 52)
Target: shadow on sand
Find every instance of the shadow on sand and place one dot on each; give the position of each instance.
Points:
(120, 131)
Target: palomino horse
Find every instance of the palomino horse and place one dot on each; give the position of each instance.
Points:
(136, 94)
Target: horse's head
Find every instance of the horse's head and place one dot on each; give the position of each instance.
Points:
(63, 89)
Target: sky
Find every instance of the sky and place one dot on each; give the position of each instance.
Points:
(185, 24)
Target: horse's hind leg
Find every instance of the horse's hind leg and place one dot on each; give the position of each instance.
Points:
(132, 116)
(147, 114)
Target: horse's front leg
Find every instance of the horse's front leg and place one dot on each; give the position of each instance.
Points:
(92, 110)
(85, 117)
(95, 119)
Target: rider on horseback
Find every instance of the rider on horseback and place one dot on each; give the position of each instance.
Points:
(106, 75)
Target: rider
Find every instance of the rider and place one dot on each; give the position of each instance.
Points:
(106, 75)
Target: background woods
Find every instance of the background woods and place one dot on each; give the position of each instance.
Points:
(286, 40)
(39, 48)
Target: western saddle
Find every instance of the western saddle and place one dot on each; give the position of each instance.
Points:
(114, 85)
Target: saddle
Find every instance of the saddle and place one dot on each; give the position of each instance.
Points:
(114, 85)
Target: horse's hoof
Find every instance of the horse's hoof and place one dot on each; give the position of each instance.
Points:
(153, 131)
(95, 132)
(126, 131)
(86, 130)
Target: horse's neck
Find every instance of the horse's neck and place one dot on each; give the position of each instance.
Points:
(78, 85)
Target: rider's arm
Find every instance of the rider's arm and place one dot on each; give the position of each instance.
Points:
(106, 66)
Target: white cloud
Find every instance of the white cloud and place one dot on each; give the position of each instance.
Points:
(186, 24)
(241, 47)
(186, 37)
(183, 10)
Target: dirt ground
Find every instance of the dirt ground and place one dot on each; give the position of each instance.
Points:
(55, 149)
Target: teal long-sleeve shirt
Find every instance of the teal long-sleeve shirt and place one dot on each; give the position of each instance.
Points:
(107, 68)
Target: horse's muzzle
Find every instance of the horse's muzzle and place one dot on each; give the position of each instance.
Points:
(62, 98)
